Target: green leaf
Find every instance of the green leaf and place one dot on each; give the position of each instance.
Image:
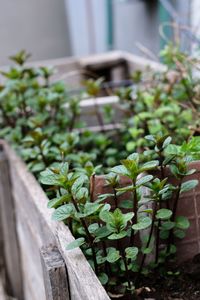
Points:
(91, 208)
(131, 166)
(167, 142)
(150, 138)
(103, 278)
(134, 156)
(147, 250)
(126, 204)
(182, 222)
(117, 236)
(149, 165)
(172, 249)
(179, 233)
(58, 201)
(121, 170)
(78, 184)
(47, 177)
(75, 244)
(64, 169)
(131, 252)
(102, 232)
(163, 214)
(63, 212)
(128, 188)
(104, 215)
(93, 227)
(128, 216)
(113, 255)
(164, 234)
(82, 193)
(144, 179)
(168, 225)
(189, 185)
(143, 223)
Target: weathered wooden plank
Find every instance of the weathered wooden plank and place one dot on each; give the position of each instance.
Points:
(82, 280)
(11, 247)
(29, 241)
(102, 60)
(140, 63)
(1, 245)
(55, 274)
(2, 291)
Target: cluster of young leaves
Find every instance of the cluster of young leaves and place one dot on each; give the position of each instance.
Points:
(136, 220)
(41, 120)
(166, 101)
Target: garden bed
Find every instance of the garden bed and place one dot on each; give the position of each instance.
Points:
(27, 224)
(37, 263)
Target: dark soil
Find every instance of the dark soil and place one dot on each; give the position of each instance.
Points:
(185, 286)
(183, 283)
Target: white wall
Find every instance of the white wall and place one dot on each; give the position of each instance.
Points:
(38, 26)
(135, 22)
(82, 39)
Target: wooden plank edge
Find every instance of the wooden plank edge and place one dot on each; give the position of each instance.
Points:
(55, 274)
(81, 286)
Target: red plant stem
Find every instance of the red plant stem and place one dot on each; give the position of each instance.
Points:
(115, 198)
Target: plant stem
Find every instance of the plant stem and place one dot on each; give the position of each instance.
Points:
(147, 245)
(158, 236)
(125, 264)
(174, 215)
(115, 198)
(43, 156)
(135, 209)
(73, 121)
(89, 236)
(99, 116)
(162, 168)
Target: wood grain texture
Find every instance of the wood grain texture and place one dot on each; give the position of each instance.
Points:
(11, 247)
(82, 280)
(55, 274)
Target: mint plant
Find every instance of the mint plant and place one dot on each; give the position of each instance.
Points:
(113, 239)
(131, 231)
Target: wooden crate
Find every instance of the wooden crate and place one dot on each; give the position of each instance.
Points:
(37, 265)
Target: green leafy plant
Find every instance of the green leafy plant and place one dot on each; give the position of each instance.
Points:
(112, 238)
(131, 231)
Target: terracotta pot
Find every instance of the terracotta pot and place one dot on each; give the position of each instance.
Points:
(188, 206)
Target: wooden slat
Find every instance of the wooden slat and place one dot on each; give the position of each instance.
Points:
(33, 281)
(55, 274)
(11, 247)
(2, 291)
(82, 280)
(140, 63)
(102, 60)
